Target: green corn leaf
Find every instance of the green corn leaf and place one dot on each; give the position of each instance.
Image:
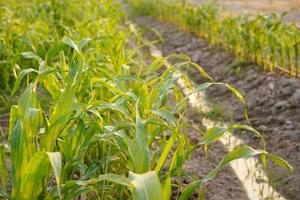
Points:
(164, 155)
(31, 55)
(13, 117)
(19, 158)
(33, 122)
(143, 186)
(163, 91)
(51, 84)
(111, 106)
(241, 152)
(28, 99)
(64, 104)
(167, 188)
(75, 71)
(23, 73)
(54, 51)
(141, 153)
(3, 168)
(167, 115)
(244, 152)
(34, 172)
(46, 73)
(213, 134)
(202, 71)
(55, 161)
(202, 194)
(281, 162)
(200, 88)
(178, 159)
(72, 189)
(245, 127)
(145, 98)
(83, 43)
(156, 64)
(63, 66)
(70, 43)
(211, 175)
(236, 93)
(131, 95)
(4, 194)
(156, 121)
(146, 186)
(114, 178)
(189, 190)
(103, 83)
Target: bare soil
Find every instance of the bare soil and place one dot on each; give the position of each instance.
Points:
(273, 103)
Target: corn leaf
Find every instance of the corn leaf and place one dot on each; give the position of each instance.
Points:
(146, 186)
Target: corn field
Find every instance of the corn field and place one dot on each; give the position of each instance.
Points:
(264, 40)
(97, 118)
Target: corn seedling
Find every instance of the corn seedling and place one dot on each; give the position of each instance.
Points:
(264, 40)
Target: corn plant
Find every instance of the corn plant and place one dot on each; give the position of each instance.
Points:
(264, 40)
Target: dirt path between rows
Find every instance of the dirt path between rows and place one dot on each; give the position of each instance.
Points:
(273, 103)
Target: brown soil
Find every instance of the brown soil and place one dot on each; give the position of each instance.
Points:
(273, 103)
(4, 119)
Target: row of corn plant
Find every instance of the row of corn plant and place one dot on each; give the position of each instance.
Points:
(93, 121)
(34, 26)
(264, 40)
